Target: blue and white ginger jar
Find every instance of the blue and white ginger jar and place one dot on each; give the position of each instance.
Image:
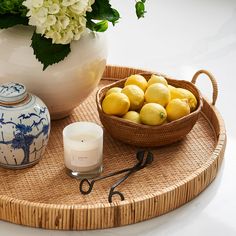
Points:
(24, 127)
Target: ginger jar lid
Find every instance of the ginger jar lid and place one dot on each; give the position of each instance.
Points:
(12, 93)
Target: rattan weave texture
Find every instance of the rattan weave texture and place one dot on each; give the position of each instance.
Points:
(44, 196)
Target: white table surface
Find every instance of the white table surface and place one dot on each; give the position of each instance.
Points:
(178, 38)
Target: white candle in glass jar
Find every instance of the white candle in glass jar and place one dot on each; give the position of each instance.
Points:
(83, 147)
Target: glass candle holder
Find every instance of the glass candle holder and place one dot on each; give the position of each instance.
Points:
(83, 149)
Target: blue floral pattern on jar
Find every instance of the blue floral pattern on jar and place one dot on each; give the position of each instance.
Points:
(24, 132)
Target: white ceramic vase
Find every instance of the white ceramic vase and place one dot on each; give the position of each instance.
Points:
(61, 86)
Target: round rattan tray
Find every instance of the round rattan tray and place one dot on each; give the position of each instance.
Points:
(45, 197)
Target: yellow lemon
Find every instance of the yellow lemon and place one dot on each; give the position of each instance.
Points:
(132, 116)
(158, 93)
(113, 90)
(184, 94)
(116, 104)
(138, 80)
(157, 79)
(177, 108)
(135, 95)
(171, 88)
(153, 114)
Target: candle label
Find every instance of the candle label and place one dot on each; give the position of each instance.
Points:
(85, 158)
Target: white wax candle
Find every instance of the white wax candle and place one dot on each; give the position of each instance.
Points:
(83, 146)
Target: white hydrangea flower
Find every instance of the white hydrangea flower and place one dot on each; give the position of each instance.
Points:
(53, 8)
(34, 3)
(67, 3)
(60, 20)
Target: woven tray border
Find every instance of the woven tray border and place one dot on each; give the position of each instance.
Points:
(97, 216)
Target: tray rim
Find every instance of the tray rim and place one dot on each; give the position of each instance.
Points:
(217, 153)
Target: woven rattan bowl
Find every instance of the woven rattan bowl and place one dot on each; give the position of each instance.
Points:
(144, 135)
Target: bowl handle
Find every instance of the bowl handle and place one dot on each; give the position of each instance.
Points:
(213, 82)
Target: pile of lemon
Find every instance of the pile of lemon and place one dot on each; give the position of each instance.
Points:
(151, 102)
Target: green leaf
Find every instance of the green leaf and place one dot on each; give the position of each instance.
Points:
(9, 20)
(115, 16)
(102, 10)
(47, 52)
(101, 26)
(140, 9)
(12, 7)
